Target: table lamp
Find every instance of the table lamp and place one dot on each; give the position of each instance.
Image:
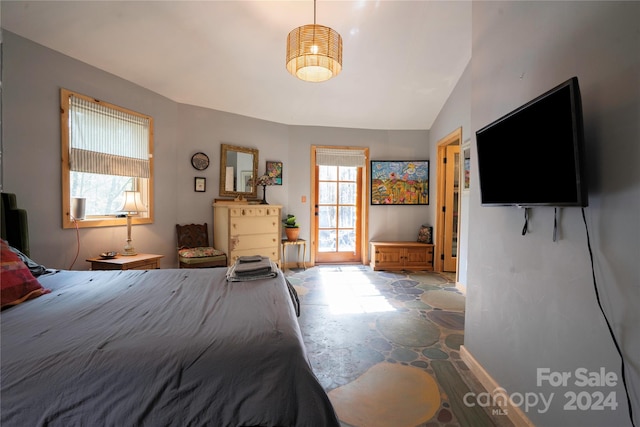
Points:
(132, 205)
(265, 180)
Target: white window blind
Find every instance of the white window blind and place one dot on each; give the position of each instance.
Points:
(340, 157)
(107, 141)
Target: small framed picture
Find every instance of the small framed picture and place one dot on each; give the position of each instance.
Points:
(466, 166)
(274, 170)
(200, 184)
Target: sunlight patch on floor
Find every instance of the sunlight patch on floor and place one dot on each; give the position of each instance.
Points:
(388, 395)
(351, 292)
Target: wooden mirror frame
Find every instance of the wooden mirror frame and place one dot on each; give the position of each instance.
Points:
(224, 148)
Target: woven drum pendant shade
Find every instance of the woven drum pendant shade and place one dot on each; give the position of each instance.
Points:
(314, 53)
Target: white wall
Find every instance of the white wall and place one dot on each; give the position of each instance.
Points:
(530, 301)
(32, 77)
(202, 129)
(385, 222)
(455, 114)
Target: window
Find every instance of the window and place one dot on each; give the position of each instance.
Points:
(106, 150)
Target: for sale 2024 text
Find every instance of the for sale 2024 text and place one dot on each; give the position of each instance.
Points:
(593, 400)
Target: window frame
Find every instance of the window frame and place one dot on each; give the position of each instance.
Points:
(146, 189)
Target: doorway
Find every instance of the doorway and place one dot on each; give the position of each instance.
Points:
(339, 205)
(448, 199)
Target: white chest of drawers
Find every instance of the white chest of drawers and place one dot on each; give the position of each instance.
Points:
(240, 229)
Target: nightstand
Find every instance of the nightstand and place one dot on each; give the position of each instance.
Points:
(121, 262)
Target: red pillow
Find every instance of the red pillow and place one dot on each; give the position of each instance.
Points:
(17, 284)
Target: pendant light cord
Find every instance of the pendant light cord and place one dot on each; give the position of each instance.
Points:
(313, 42)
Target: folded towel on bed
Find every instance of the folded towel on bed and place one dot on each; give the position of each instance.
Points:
(245, 271)
(252, 267)
(249, 258)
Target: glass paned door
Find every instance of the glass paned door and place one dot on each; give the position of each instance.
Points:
(451, 213)
(337, 214)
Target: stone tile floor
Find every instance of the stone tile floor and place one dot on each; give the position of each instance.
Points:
(385, 346)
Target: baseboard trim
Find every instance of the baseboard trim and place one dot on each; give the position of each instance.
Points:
(294, 264)
(461, 287)
(514, 413)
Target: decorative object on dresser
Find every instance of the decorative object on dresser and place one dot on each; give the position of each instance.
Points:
(194, 250)
(291, 227)
(264, 181)
(132, 206)
(397, 182)
(401, 256)
(131, 262)
(243, 229)
(274, 170)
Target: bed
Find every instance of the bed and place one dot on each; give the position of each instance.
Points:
(157, 348)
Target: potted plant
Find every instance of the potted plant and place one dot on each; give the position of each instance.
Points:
(291, 227)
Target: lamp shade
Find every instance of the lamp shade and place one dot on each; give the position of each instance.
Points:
(265, 180)
(314, 53)
(133, 202)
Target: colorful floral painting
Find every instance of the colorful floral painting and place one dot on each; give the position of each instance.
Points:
(398, 182)
(274, 170)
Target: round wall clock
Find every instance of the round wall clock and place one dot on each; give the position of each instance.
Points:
(200, 161)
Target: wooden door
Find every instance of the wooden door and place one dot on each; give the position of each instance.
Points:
(447, 202)
(338, 216)
(452, 190)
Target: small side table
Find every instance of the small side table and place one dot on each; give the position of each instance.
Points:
(299, 243)
(122, 262)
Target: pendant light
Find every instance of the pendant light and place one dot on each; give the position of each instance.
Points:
(314, 52)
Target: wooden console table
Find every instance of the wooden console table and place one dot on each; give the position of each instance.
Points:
(401, 256)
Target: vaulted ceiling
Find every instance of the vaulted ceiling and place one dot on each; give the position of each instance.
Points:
(401, 60)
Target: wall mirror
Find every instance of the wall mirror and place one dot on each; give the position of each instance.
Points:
(238, 169)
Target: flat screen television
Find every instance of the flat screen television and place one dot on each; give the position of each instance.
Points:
(534, 156)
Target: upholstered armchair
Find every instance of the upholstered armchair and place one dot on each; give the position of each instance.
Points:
(194, 250)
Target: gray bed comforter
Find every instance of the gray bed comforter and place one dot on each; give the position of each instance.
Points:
(157, 348)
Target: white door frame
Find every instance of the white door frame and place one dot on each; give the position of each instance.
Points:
(453, 138)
